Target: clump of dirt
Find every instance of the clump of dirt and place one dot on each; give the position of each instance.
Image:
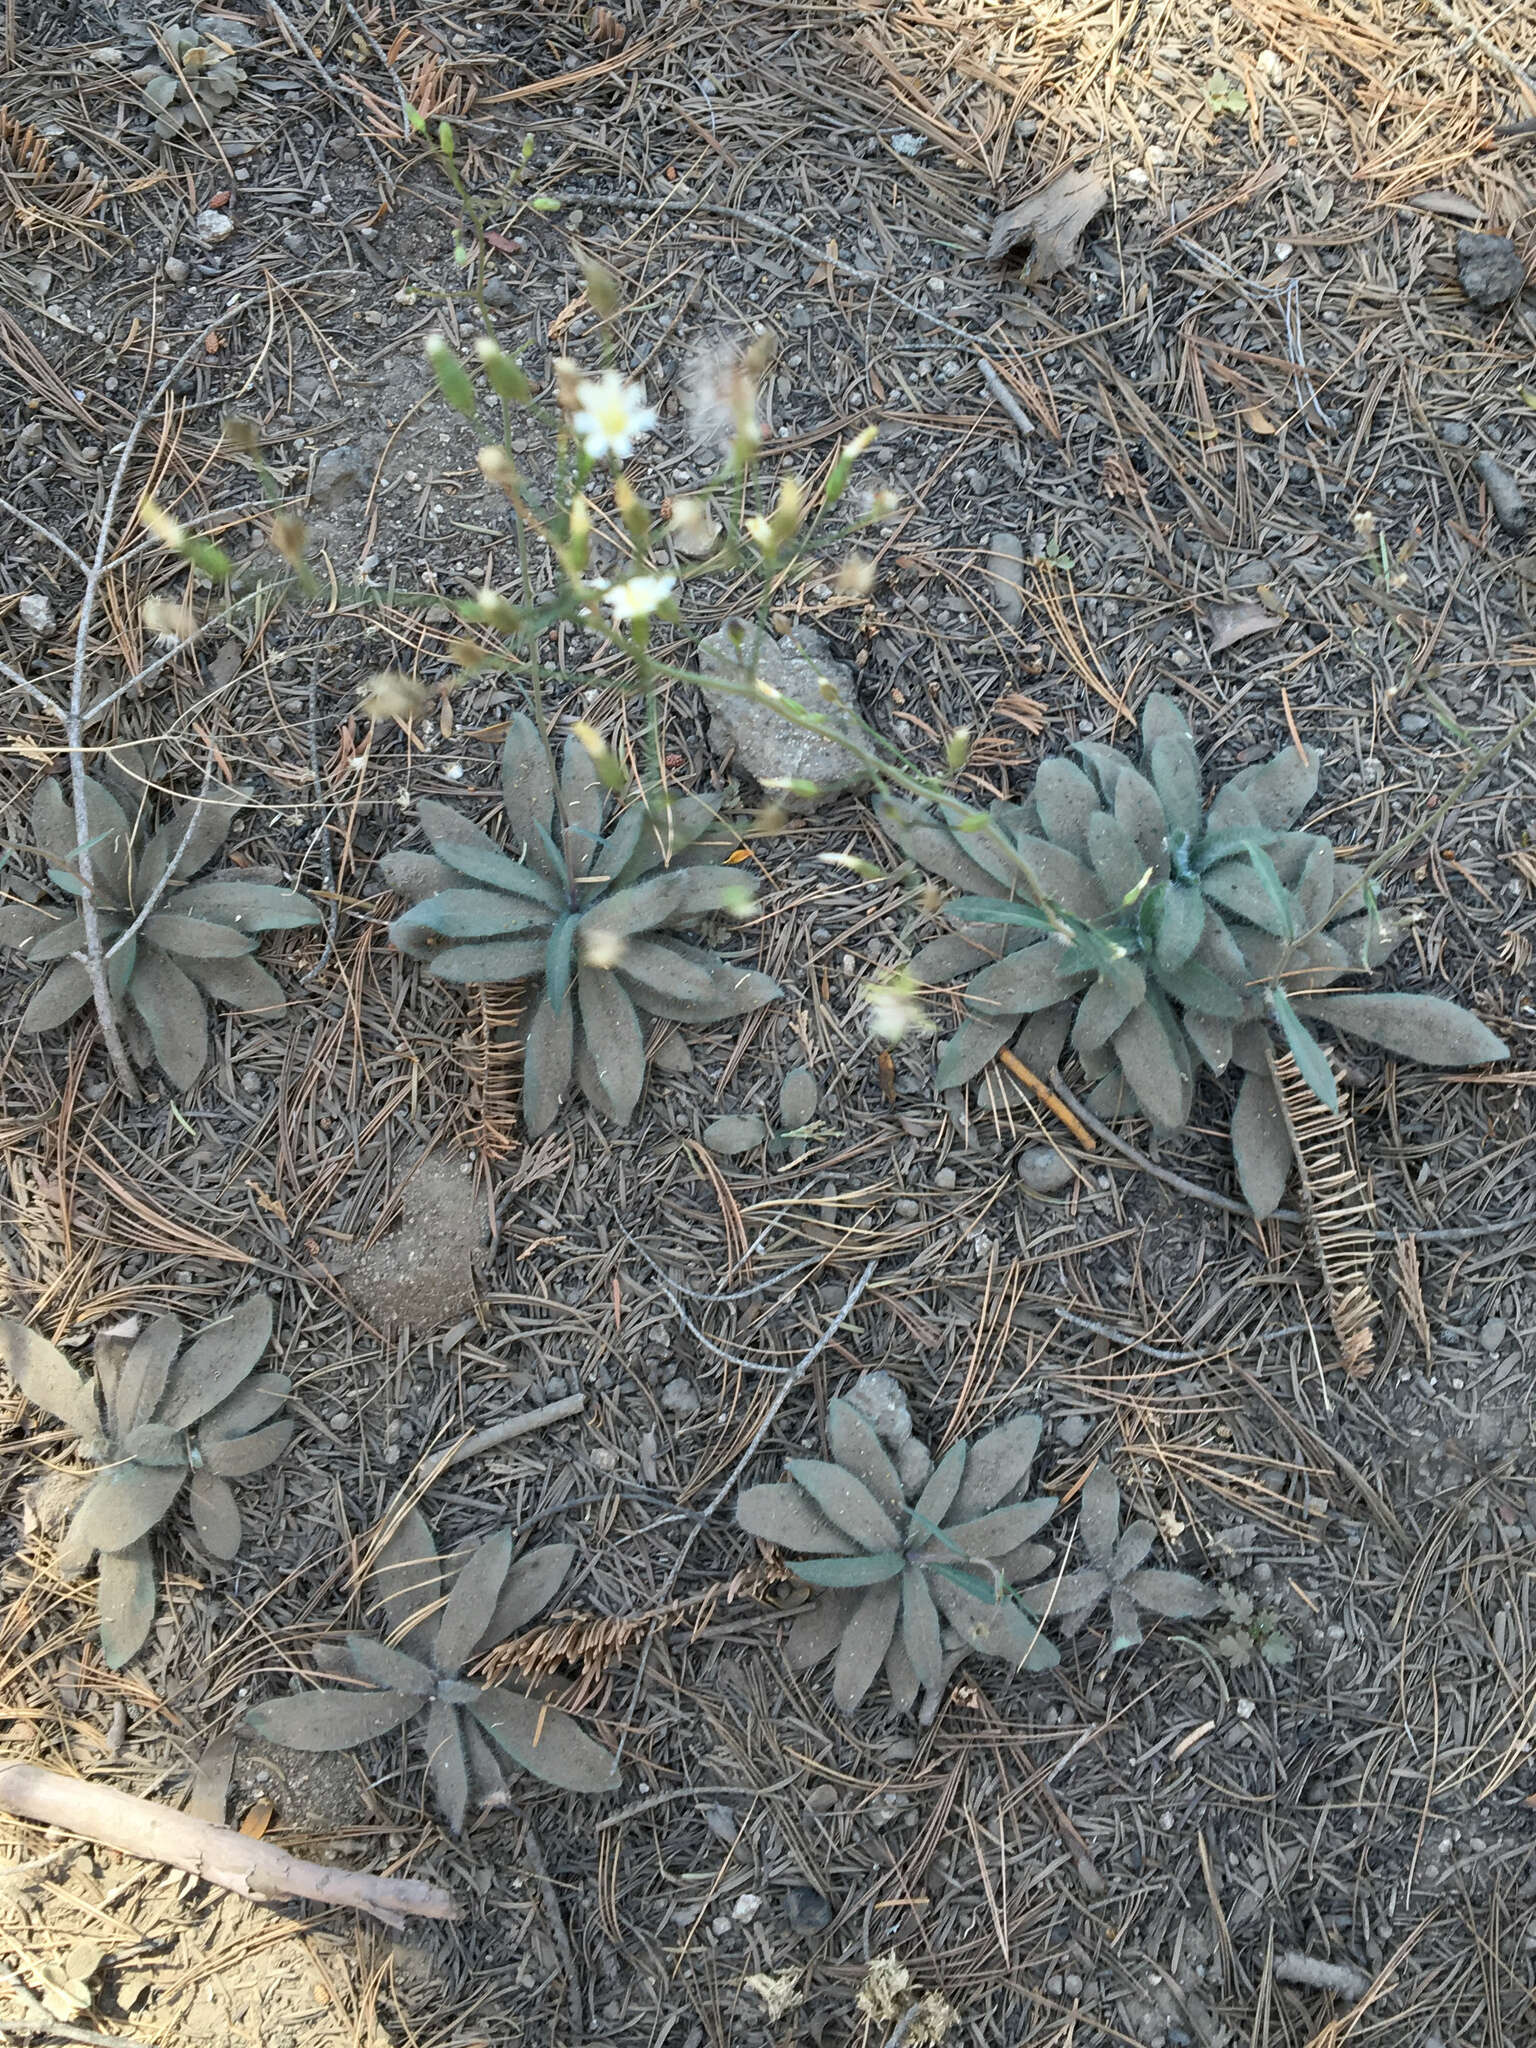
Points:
(422, 1273)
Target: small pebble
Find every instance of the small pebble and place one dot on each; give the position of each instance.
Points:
(212, 227)
(36, 613)
(821, 1799)
(1504, 494)
(1072, 1430)
(680, 1397)
(1489, 267)
(944, 1178)
(1491, 1336)
(906, 1208)
(746, 1908)
(1455, 433)
(1044, 1171)
(177, 269)
(804, 1907)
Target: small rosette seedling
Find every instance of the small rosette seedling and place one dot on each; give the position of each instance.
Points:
(897, 1570)
(198, 939)
(1117, 908)
(439, 1615)
(588, 914)
(1116, 1572)
(157, 1418)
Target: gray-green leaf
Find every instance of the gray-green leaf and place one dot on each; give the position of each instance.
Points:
(846, 1502)
(125, 1602)
(331, 1720)
(47, 1378)
(1425, 1028)
(729, 1136)
(1261, 1144)
(545, 1741)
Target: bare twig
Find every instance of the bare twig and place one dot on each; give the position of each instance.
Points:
(167, 872)
(240, 1863)
(45, 533)
(533, 1850)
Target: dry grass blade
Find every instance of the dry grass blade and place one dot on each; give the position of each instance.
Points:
(1338, 1207)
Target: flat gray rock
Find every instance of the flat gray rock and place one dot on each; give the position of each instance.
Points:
(1489, 267)
(762, 742)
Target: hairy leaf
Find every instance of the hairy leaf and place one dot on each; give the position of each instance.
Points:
(203, 824)
(900, 1676)
(995, 1533)
(67, 990)
(406, 1578)
(145, 1371)
(818, 1628)
(197, 937)
(240, 983)
(865, 1641)
(331, 1720)
(544, 1741)
(1281, 790)
(846, 1502)
(121, 1505)
(679, 895)
(934, 847)
(734, 990)
(490, 961)
(1195, 988)
(1125, 1629)
(1117, 859)
(253, 1402)
(236, 1457)
(619, 847)
(1065, 799)
(447, 1764)
(125, 1603)
(1161, 718)
(871, 1568)
(1261, 1144)
(997, 1465)
(1174, 1594)
(952, 956)
(1424, 1028)
(1134, 1544)
(1108, 764)
(1139, 811)
(797, 1099)
(1105, 1007)
(1098, 1518)
(47, 1378)
(174, 1015)
(1315, 1065)
(527, 782)
(488, 1788)
(1211, 1037)
(548, 1056)
(1175, 771)
(392, 1670)
(1001, 1628)
(215, 1363)
(920, 1628)
(1243, 887)
(460, 914)
(25, 926)
(974, 1046)
(248, 906)
(1180, 920)
(855, 1446)
(582, 801)
(215, 1516)
(472, 1602)
(532, 1581)
(1021, 982)
(1062, 877)
(1150, 1063)
(943, 1487)
(66, 936)
(782, 1514)
(474, 853)
(614, 1037)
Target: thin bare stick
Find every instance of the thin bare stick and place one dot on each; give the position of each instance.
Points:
(1005, 398)
(167, 874)
(240, 1863)
(74, 724)
(45, 533)
(508, 1432)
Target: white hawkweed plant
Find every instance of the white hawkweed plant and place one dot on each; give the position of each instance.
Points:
(1114, 911)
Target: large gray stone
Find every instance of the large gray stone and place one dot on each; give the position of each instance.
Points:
(762, 742)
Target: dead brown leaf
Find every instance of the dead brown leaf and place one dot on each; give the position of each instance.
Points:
(1230, 623)
(1052, 222)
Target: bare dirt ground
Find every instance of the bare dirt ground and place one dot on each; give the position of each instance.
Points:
(1257, 383)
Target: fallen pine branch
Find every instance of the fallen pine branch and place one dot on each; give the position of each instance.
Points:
(218, 1855)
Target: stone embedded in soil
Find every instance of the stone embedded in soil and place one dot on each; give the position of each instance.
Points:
(1504, 494)
(339, 474)
(806, 1910)
(177, 269)
(761, 741)
(212, 227)
(1072, 1430)
(1043, 1170)
(1489, 267)
(680, 1397)
(879, 1399)
(1005, 568)
(1491, 1336)
(37, 613)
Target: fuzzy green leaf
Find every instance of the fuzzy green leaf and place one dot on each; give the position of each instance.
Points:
(974, 1046)
(474, 914)
(215, 1363)
(527, 782)
(782, 1514)
(66, 991)
(1249, 887)
(729, 1136)
(1179, 920)
(997, 1465)
(1149, 1060)
(237, 1457)
(797, 1099)
(331, 1720)
(141, 1383)
(1000, 1627)
(1139, 811)
(209, 819)
(1176, 1595)
(867, 1569)
(679, 895)
(1065, 799)
(995, 1533)
(1281, 790)
(174, 1014)
(1315, 1065)
(121, 1505)
(614, 1038)
(1117, 859)
(866, 1639)
(733, 990)
(248, 906)
(1105, 1007)
(846, 1502)
(1023, 981)
(1175, 771)
(447, 1764)
(944, 1485)
(406, 1580)
(545, 1741)
(582, 799)
(818, 1628)
(531, 1583)
(1429, 1029)
(471, 852)
(215, 1515)
(490, 962)
(472, 1602)
(125, 1602)
(1261, 1144)
(855, 1446)
(198, 937)
(240, 983)
(547, 1061)
(920, 1629)
(1098, 1515)
(26, 926)
(47, 1378)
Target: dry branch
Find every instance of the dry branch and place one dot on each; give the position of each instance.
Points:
(240, 1863)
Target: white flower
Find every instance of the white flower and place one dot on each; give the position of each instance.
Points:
(611, 416)
(639, 596)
